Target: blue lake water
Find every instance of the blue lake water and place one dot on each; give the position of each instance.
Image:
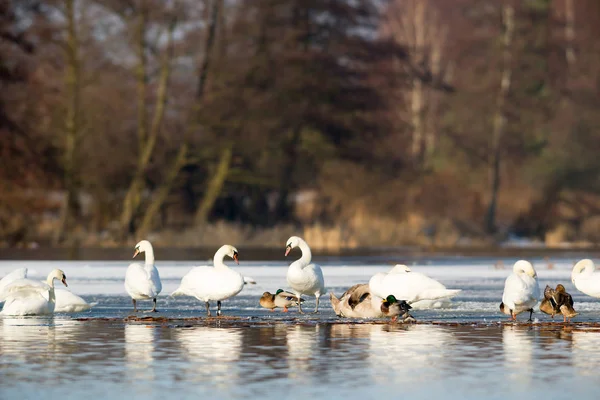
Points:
(465, 351)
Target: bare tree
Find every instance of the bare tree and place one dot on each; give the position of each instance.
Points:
(72, 125)
(499, 120)
(146, 138)
(418, 26)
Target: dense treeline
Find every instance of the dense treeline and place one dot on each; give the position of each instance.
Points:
(359, 122)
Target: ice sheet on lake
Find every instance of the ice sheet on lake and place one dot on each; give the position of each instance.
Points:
(481, 281)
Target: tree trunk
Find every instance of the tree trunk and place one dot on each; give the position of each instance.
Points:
(285, 183)
(570, 33)
(161, 194)
(499, 121)
(214, 186)
(72, 79)
(417, 100)
(181, 158)
(147, 141)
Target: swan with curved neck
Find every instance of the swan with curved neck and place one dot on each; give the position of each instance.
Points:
(30, 297)
(521, 290)
(585, 278)
(143, 282)
(303, 276)
(213, 283)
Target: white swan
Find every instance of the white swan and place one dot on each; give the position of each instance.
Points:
(302, 276)
(69, 302)
(521, 290)
(143, 282)
(585, 279)
(29, 297)
(9, 278)
(66, 301)
(417, 289)
(213, 283)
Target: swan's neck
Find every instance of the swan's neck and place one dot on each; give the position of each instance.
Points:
(306, 255)
(149, 256)
(50, 281)
(218, 259)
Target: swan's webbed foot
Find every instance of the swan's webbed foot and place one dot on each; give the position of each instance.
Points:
(219, 309)
(530, 315)
(207, 309)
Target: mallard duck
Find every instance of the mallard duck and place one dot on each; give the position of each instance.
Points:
(281, 298)
(359, 302)
(521, 290)
(558, 301)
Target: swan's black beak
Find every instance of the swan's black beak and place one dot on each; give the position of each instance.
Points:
(137, 251)
(288, 248)
(235, 257)
(64, 281)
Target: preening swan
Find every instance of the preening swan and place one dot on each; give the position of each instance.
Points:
(521, 290)
(12, 276)
(143, 282)
(302, 276)
(66, 301)
(29, 297)
(213, 283)
(585, 279)
(419, 290)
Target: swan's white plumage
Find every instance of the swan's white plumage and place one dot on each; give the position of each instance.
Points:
(30, 297)
(585, 278)
(217, 283)
(303, 276)
(65, 300)
(142, 282)
(418, 289)
(69, 302)
(20, 273)
(521, 288)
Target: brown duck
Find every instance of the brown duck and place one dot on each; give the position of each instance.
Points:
(281, 298)
(558, 301)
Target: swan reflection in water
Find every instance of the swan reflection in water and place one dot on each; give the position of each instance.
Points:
(39, 341)
(586, 359)
(424, 348)
(302, 344)
(212, 353)
(139, 349)
(518, 346)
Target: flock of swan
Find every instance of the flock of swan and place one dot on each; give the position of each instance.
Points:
(388, 294)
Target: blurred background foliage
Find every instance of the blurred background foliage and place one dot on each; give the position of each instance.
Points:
(353, 123)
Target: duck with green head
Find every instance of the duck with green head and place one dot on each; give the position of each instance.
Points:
(281, 299)
(359, 302)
